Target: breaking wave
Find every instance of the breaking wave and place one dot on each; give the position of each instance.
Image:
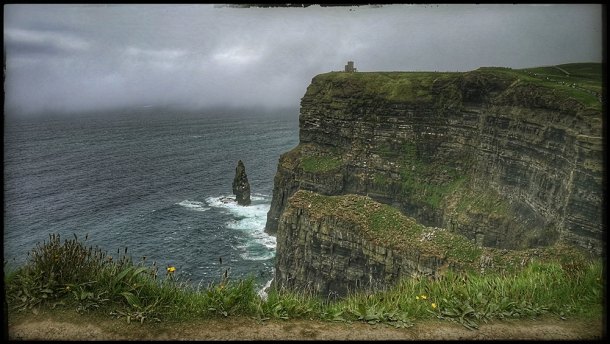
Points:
(250, 222)
(193, 205)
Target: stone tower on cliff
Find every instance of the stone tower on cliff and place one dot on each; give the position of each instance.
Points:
(349, 67)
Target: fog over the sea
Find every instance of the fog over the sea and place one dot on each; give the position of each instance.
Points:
(76, 58)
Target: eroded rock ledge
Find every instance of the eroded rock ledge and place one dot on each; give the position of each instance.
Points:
(331, 245)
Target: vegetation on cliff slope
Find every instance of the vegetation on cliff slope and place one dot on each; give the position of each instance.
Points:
(577, 76)
(318, 164)
(385, 225)
(379, 223)
(70, 275)
(582, 85)
(415, 174)
(312, 160)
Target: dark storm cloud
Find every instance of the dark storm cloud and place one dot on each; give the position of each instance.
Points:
(80, 57)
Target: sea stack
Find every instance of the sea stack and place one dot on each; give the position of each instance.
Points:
(241, 187)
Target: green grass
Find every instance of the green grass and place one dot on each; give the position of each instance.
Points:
(417, 189)
(432, 183)
(472, 298)
(134, 292)
(412, 87)
(311, 159)
(320, 164)
(416, 87)
(69, 274)
(419, 180)
(586, 76)
(457, 248)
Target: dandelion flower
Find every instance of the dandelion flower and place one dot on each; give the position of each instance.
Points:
(171, 269)
(424, 297)
(433, 305)
(417, 298)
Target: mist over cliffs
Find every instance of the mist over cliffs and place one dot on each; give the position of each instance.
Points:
(508, 159)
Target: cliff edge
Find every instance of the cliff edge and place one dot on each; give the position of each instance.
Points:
(509, 159)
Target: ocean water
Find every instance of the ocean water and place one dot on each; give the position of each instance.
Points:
(155, 182)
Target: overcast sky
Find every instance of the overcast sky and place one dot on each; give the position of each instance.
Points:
(82, 57)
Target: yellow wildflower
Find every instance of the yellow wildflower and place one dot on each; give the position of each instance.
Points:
(417, 298)
(171, 269)
(424, 297)
(433, 305)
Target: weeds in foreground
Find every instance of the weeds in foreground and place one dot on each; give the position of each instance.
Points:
(71, 275)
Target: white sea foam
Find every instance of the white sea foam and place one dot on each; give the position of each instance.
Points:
(193, 205)
(253, 250)
(258, 197)
(263, 292)
(249, 220)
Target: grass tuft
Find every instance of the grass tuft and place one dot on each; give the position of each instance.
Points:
(135, 292)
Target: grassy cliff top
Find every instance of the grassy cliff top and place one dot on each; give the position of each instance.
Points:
(395, 86)
(386, 226)
(579, 81)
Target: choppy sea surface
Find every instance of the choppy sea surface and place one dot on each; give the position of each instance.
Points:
(156, 183)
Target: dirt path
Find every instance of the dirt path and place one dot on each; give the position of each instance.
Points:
(77, 327)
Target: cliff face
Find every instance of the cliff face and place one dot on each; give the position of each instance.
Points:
(506, 161)
(331, 245)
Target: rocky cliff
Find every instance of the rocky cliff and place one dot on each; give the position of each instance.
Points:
(241, 186)
(332, 245)
(341, 243)
(502, 157)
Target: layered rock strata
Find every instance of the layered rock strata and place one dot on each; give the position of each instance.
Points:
(500, 160)
(488, 154)
(331, 250)
(331, 245)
